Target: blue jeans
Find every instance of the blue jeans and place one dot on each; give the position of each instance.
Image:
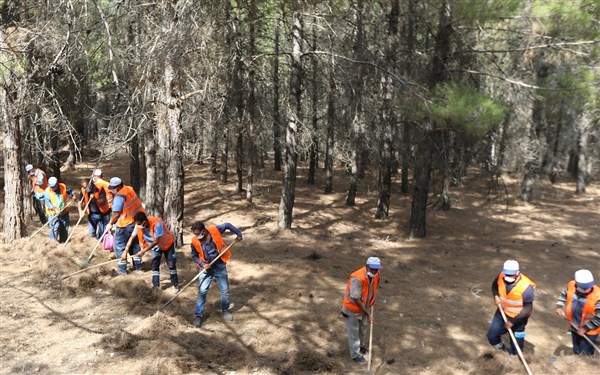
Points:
(59, 227)
(497, 330)
(581, 346)
(204, 283)
(121, 237)
(96, 224)
(170, 258)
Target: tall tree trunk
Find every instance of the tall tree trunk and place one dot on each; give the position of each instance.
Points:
(278, 122)
(288, 189)
(134, 162)
(14, 226)
(388, 118)
(330, 133)
(149, 197)
(582, 131)
(252, 119)
(224, 155)
(312, 161)
(356, 104)
(426, 150)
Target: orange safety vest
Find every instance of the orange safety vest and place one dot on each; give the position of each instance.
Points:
(57, 205)
(512, 303)
(589, 309)
(102, 184)
(361, 274)
(40, 189)
(104, 208)
(165, 241)
(132, 206)
(218, 240)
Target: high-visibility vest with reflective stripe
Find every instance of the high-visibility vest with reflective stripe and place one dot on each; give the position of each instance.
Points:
(132, 206)
(39, 189)
(512, 302)
(104, 208)
(164, 243)
(217, 239)
(101, 184)
(361, 274)
(56, 202)
(589, 308)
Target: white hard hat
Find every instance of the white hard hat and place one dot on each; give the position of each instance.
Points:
(52, 181)
(28, 167)
(97, 172)
(511, 267)
(584, 279)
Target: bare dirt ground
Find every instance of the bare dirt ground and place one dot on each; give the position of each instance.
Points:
(431, 317)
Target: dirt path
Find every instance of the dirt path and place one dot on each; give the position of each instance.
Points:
(431, 318)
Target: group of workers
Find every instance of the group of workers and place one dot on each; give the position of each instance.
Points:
(513, 295)
(113, 205)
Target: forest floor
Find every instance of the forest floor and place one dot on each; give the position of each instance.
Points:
(432, 314)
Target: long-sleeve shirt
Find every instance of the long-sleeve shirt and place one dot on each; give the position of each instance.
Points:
(210, 248)
(527, 300)
(577, 308)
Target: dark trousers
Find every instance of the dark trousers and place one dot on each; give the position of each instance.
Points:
(581, 346)
(38, 206)
(170, 258)
(497, 329)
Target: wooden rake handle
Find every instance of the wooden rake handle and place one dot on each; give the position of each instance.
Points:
(89, 268)
(584, 336)
(48, 222)
(514, 339)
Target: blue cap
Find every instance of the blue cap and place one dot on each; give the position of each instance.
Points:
(374, 263)
(114, 182)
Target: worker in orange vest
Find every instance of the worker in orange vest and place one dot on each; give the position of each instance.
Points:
(359, 296)
(154, 237)
(39, 183)
(93, 202)
(125, 205)
(207, 245)
(56, 198)
(579, 302)
(514, 293)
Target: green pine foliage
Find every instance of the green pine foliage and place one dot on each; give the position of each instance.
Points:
(463, 108)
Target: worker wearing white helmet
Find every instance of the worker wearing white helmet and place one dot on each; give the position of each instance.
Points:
(513, 293)
(39, 183)
(579, 302)
(56, 200)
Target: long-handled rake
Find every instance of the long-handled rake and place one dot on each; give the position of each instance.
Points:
(198, 275)
(514, 340)
(86, 262)
(76, 225)
(370, 343)
(89, 268)
(47, 222)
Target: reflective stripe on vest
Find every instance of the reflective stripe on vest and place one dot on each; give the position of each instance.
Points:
(589, 308)
(165, 241)
(57, 206)
(132, 206)
(360, 274)
(101, 184)
(217, 239)
(512, 302)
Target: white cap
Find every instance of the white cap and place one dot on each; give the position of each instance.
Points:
(374, 263)
(28, 167)
(97, 172)
(511, 267)
(52, 181)
(584, 279)
(114, 182)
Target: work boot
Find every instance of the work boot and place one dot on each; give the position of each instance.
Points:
(363, 350)
(227, 315)
(198, 322)
(175, 289)
(360, 360)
